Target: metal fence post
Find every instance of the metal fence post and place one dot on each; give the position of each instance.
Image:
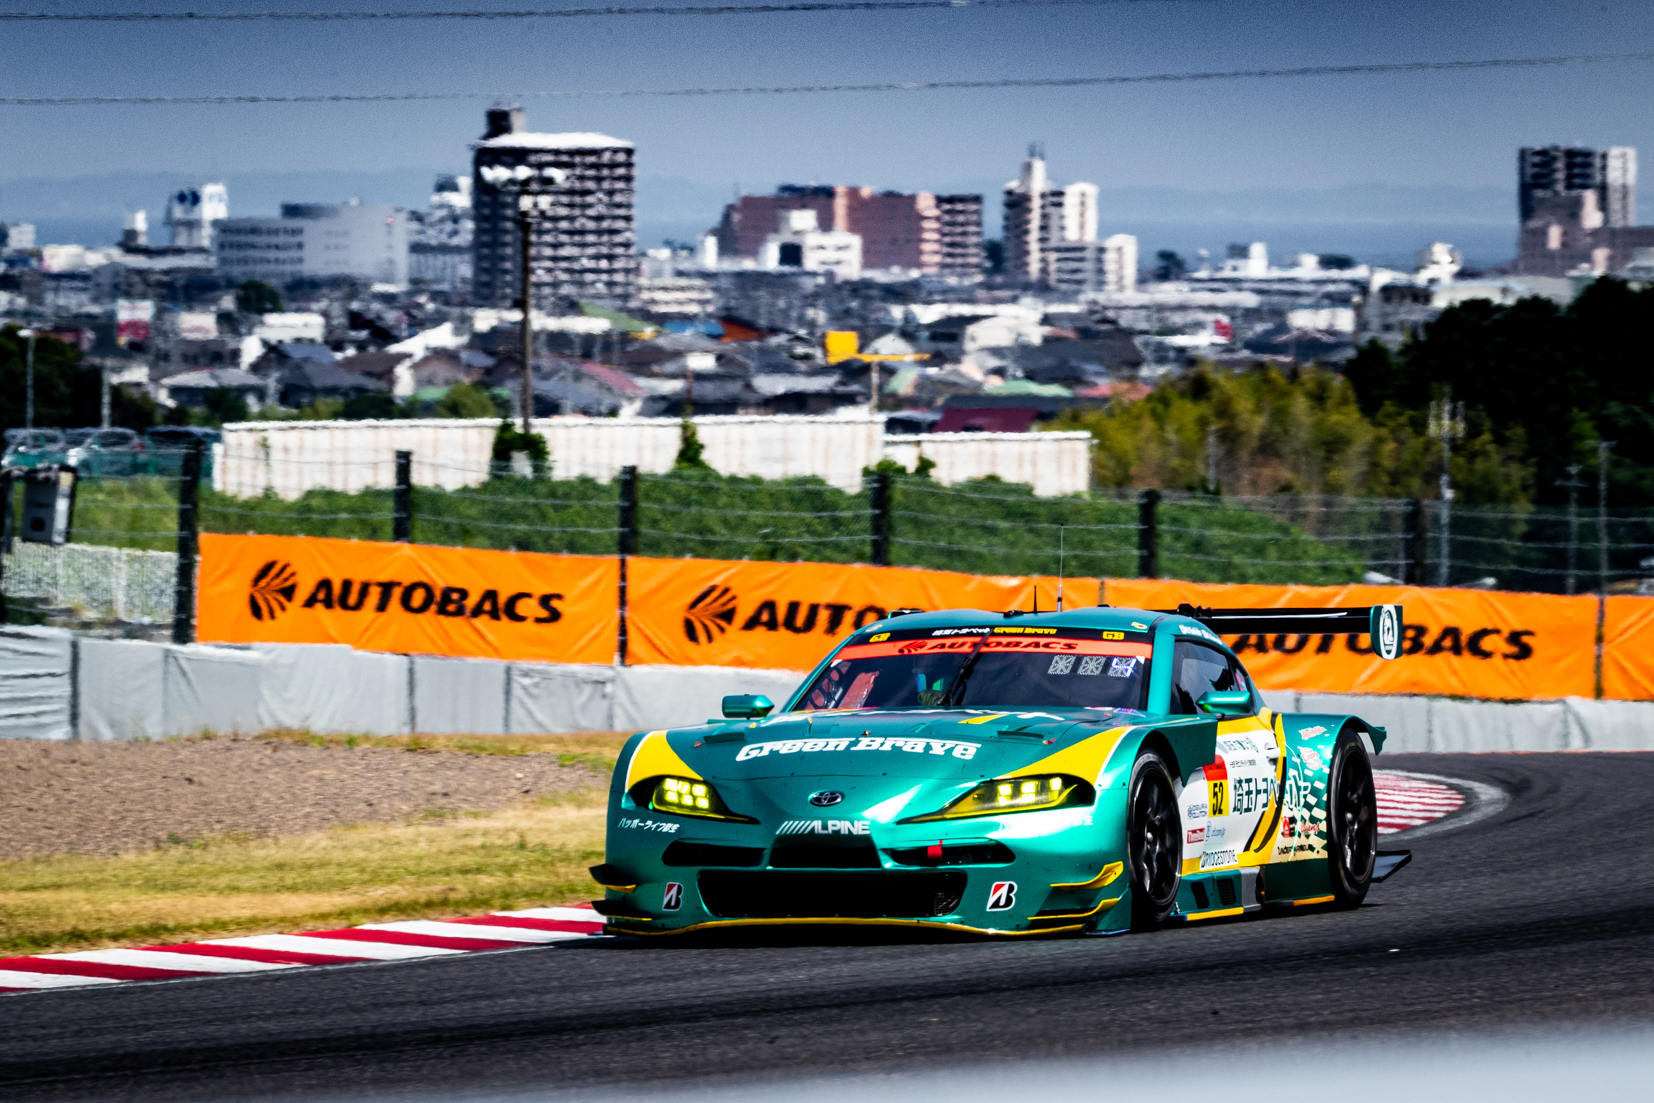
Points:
(183, 592)
(1412, 543)
(627, 546)
(5, 538)
(402, 500)
(881, 520)
(1148, 534)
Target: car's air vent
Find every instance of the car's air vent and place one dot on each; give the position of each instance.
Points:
(1226, 890)
(685, 853)
(860, 854)
(1199, 890)
(763, 894)
(987, 853)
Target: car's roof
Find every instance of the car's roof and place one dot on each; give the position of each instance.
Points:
(1087, 616)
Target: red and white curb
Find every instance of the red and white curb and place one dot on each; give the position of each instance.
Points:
(1405, 801)
(418, 938)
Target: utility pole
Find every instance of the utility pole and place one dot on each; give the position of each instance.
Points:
(1573, 484)
(28, 380)
(1602, 514)
(525, 235)
(1211, 459)
(1446, 425)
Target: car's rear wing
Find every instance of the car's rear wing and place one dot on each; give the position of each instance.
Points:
(1382, 622)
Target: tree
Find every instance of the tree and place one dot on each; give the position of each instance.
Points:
(690, 449)
(466, 400)
(510, 440)
(1171, 266)
(373, 406)
(66, 394)
(257, 297)
(993, 256)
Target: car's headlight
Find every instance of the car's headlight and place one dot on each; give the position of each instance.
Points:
(689, 797)
(1040, 793)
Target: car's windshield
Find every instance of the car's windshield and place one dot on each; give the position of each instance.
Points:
(1069, 667)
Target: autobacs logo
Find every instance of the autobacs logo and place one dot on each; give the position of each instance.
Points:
(272, 590)
(355, 595)
(716, 611)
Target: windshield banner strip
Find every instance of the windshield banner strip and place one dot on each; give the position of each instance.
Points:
(963, 645)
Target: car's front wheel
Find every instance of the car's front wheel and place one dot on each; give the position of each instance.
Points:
(1154, 849)
(1352, 821)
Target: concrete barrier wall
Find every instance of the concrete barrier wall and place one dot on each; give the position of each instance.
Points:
(53, 686)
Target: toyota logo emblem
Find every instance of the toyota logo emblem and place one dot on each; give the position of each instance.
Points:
(826, 798)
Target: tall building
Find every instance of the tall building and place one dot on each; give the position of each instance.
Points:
(1544, 172)
(1039, 217)
(1093, 266)
(961, 218)
(368, 241)
(193, 211)
(909, 232)
(583, 240)
(440, 237)
(800, 242)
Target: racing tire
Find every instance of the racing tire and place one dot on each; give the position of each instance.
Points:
(1154, 837)
(1352, 821)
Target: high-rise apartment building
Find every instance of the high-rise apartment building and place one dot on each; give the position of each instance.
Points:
(193, 211)
(919, 232)
(1039, 217)
(1544, 172)
(583, 242)
(365, 240)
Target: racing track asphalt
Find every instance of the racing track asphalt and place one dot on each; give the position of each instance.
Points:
(1540, 915)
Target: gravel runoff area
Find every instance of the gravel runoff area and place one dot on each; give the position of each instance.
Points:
(109, 798)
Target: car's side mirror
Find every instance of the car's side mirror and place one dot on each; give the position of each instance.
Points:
(747, 706)
(1225, 702)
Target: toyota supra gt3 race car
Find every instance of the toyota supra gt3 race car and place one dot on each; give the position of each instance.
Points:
(1091, 771)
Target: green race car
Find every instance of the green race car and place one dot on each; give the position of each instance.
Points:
(1091, 771)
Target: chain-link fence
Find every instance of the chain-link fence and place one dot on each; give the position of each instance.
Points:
(984, 527)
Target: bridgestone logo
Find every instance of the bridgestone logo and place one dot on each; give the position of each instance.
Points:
(865, 743)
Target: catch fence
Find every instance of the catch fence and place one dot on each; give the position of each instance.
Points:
(981, 527)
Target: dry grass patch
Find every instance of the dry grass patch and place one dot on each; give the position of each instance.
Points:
(431, 866)
(597, 750)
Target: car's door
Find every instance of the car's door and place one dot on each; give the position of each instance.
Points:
(1242, 774)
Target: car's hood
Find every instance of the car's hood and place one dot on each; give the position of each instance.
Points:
(936, 744)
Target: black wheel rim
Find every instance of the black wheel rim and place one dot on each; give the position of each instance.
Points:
(1155, 854)
(1357, 818)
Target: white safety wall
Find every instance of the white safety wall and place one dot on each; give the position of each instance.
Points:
(36, 699)
(55, 687)
(290, 457)
(1052, 463)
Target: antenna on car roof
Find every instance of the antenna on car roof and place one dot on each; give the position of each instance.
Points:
(1061, 530)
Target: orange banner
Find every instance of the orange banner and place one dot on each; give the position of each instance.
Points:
(1460, 643)
(1628, 649)
(408, 598)
(787, 616)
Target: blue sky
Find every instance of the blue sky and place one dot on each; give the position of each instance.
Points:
(1191, 162)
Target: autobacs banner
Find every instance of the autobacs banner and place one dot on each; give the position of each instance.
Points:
(1466, 643)
(787, 616)
(408, 598)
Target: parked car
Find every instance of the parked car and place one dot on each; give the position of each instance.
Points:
(33, 447)
(104, 451)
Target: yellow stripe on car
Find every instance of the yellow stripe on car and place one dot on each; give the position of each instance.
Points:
(655, 756)
(1102, 880)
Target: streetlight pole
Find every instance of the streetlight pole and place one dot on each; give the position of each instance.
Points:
(519, 181)
(1573, 484)
(1446, 425)
(28, 380)
(1602, 514)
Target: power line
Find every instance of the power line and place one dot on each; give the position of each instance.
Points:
(906, 86)
(546, 13)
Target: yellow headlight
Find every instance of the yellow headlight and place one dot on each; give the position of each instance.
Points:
(1015, 794)
(686, 797)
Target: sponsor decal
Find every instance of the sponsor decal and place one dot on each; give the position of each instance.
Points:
(825, 827)
(710, 614)
(958, 748)
(417, 598)
(1248, 794)
(1452, 639)
(935, 632)
(964, 645)
(1196, 835)
(1217, 786)
(1003, 896)
(1214, 859)
(1195, 811)
(826, 798)
(672, 899)
(1317, 730)
(1140, 627)
(1387, 642)
(1114, 635)
(1214, 833)
(1197, 630)
(648, 825)
(1029, 632)
(1311, 759)
(878, 637)
(1122, 668)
